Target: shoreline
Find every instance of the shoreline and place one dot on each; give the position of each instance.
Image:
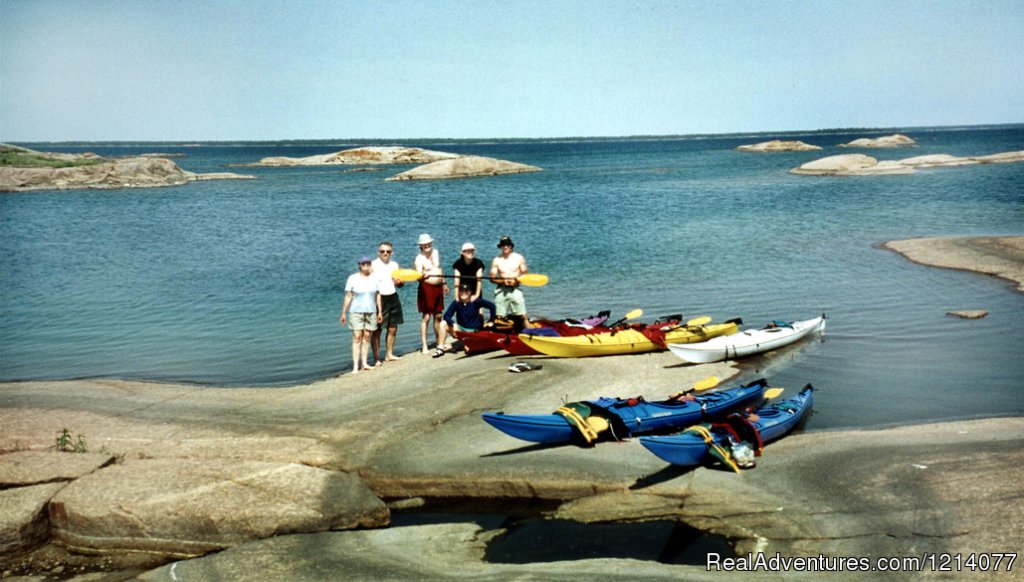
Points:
(411, 431)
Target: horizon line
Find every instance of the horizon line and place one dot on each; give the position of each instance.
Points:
(524, 138)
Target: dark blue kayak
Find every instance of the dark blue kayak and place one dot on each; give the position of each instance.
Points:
(772, 422)
(620, 418)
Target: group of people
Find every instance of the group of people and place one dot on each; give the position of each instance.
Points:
(372, 305)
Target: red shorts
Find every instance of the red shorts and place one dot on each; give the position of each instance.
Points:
(430, 298)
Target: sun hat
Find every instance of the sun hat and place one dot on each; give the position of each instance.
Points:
(424, 239)
(468, 246)
(363, 259)
(506, 241)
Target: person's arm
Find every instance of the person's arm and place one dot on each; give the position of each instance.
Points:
(522, 267)
(344, 306)
(457, 273)
(493, 275)
(479, 282)
(380, 310)
(490, 307)
(449, 314)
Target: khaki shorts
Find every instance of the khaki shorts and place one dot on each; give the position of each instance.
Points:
(362, 321)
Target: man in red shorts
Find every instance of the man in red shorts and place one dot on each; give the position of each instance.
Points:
(431, 293)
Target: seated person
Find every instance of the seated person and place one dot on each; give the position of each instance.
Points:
(463, 314)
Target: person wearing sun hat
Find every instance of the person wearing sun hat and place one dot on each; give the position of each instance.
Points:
(506, 269)
(362, 311)
(431, 293)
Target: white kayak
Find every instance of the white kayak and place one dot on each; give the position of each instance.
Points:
(752, 341)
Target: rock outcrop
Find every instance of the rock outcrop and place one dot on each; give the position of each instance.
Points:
(850, 165)
(999, 256)
(62, 171)
(23, 519)
(776, 145)
(862, 165)
(34, 467)
(968, 313)
(897, 140)
(464, 167)
(177, 507)
(363, 156)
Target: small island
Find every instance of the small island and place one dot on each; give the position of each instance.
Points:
(22, 169)
(381, 155)
(862, 165)
(777, 145)
(897, 140)
(463, 167)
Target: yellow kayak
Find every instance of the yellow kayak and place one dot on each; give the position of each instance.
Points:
(626, 341)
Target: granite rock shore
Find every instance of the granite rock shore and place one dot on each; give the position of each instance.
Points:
(863, 165)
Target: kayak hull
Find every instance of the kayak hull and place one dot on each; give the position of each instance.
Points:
(689, 450)
(748, 342)
(629, 417)
(625, 341)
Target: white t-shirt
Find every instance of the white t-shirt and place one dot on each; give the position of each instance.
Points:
(382, 271)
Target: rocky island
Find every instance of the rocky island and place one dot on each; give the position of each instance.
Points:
(862, 165)
(463, 167)
(371, 155)
(22, 169)
(896, 140)
(776, 145)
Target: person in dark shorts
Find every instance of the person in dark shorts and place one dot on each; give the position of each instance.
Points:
(469, 270)
(391, 306)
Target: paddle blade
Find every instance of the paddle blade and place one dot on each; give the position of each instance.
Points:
(698, 321)
(533, 280)
(773, 392)
(706, 384)
(407, 275)
(633, 314)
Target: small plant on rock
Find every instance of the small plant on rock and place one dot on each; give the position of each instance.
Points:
(66, 443)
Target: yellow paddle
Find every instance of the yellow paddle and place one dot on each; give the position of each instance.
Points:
(772, 393)
(529, 279)
(698, 321)
(699, 386)
(629, 315)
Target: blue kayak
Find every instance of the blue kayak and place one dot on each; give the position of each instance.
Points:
(772, 422)
(621, 418)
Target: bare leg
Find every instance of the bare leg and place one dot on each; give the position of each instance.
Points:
(375, 344)
(390, 342)
(423, 332)
(440, 331)
(364, 348)
(356, 342)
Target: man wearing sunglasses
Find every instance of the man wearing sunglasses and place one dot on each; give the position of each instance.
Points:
(391, 307)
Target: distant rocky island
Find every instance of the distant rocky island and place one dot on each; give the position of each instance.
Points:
(435, 165)
(777, 145)
(463, 167)
(896, 140)
(862, 165)
(363, 156)
(22, 169)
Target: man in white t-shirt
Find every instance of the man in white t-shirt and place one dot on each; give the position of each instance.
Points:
(391, 306)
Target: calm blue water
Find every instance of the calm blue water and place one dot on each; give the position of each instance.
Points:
(240, 282)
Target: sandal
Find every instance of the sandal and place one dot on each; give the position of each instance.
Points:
(438, 352)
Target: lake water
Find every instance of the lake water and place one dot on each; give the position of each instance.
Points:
(236, 283)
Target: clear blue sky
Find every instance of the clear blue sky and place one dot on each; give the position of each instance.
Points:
(291, 69)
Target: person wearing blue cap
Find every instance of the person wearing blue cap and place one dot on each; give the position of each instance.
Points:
(362, 304)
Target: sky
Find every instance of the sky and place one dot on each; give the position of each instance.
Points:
(195, 70)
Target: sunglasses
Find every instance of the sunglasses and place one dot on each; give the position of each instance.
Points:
(383, 252)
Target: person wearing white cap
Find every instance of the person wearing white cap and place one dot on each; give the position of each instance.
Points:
(431, 292)
(469, 270)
